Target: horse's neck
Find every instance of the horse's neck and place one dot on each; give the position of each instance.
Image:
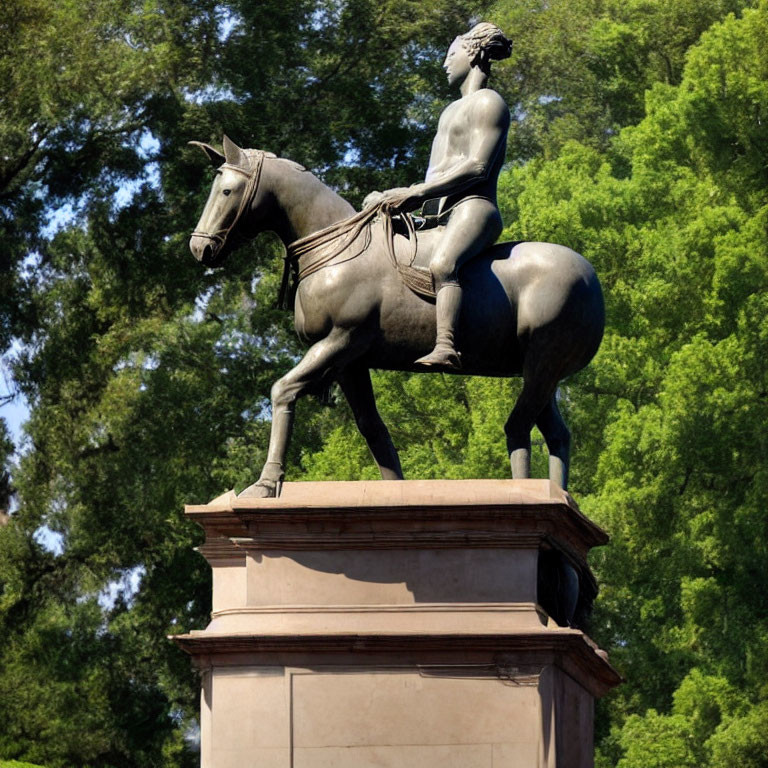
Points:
(305, 204)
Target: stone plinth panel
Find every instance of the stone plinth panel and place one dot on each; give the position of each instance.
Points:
(396, 624)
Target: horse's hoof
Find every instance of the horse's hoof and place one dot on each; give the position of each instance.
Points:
(225, 498)
(260, 490)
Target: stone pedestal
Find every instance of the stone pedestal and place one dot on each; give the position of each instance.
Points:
(399, 624)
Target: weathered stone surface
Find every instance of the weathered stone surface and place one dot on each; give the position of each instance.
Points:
(395, 624)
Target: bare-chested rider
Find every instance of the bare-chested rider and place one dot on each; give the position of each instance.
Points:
(467, 155)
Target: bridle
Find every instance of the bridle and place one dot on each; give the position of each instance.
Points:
(253, 175)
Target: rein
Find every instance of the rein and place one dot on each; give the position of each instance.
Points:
(253, 174)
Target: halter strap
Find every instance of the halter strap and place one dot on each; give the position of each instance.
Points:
(253, 174)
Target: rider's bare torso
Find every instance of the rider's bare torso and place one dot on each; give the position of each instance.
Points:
(467, 155)
(452, 145)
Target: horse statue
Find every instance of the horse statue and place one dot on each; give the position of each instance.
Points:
(362, 300)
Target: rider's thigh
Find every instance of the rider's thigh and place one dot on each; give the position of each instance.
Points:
(473, 226)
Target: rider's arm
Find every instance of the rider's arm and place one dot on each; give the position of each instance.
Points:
(490, 122)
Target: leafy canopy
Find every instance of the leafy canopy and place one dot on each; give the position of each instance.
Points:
(639, 141)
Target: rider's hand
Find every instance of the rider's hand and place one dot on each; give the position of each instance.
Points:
(399, 197)
(374, 198)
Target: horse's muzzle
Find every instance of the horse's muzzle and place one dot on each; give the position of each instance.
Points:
(206, 250)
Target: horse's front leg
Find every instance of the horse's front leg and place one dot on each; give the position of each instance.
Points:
(321, 362)
(355, 382)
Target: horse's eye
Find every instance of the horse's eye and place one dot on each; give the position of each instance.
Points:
(226, 192)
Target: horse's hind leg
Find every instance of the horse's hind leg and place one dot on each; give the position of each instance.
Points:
(558, 438)
(355, 382)
(321, 362)
(538, 389)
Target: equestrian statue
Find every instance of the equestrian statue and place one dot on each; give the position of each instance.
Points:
(383, 288)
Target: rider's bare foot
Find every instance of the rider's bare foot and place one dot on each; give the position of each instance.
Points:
(442, 356)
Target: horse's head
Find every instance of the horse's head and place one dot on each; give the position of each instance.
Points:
(233, 193)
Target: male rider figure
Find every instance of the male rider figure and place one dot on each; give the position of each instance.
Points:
(467, 156)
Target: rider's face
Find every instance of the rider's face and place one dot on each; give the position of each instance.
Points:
(457, 63)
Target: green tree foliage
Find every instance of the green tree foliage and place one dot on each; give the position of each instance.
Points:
(669, 419)
(580, 68)
(147, 377)
(640, 141)
(465, 440)
(673, 215)
(83, 82)
(17, 764)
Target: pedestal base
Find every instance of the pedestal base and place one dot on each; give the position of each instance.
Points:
(397, 625)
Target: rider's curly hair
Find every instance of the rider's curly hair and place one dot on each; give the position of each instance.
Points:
(485, 42)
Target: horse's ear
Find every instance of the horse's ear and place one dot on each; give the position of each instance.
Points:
(233, 153)
(214, 156)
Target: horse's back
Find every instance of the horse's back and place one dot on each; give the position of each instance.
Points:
(520, 301)
(537, 278)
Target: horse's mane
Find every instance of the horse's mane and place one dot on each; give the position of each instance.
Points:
(293, 164)
(272, 156)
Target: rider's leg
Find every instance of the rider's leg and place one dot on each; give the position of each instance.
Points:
(473, 225)
(448, 306)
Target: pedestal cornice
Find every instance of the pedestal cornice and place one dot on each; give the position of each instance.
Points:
(398, 515)
(569, 649)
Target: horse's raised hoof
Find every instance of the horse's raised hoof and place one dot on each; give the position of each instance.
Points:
(260, 490)
(441, 358)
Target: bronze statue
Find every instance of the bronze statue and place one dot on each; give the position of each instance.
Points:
(467, 156)
(364, 297)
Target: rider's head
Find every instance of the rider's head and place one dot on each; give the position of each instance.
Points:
(485, 43)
